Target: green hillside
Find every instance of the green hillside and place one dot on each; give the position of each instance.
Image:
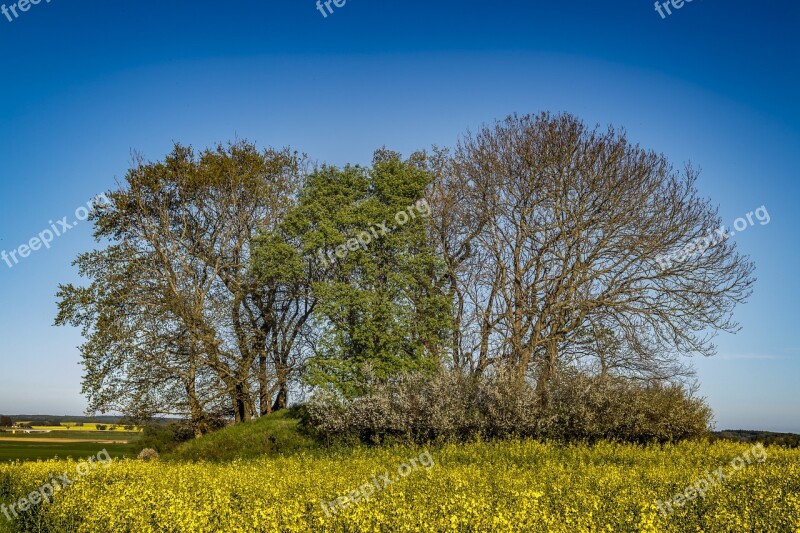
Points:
(270, 435)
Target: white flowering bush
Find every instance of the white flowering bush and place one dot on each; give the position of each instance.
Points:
(148, 454)
(452, 406)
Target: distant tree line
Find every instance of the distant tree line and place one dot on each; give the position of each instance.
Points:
(230, 277)
(789, 440)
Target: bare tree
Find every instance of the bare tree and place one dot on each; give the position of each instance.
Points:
(455, 226)
(555, 230)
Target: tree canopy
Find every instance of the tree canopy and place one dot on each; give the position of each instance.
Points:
(227, 278)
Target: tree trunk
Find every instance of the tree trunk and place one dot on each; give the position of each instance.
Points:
(264, 396)
(281, 399)
(547, 372)
(240, 403)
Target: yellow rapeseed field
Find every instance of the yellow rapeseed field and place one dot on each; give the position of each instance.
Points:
(507, 486)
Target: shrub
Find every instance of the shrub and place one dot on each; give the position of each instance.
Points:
(591, 408)
(453, 407)
(164, 437)
(148, 454)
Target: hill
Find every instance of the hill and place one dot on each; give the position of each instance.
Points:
(274, 434)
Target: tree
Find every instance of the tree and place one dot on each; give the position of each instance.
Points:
(573, 223)
(6, 422)
(536, 246)
(454, 228)
(175, 319)
(378, 312)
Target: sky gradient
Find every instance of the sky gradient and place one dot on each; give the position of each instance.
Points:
(86, 83)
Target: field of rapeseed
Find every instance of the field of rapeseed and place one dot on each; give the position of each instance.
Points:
(508, 486)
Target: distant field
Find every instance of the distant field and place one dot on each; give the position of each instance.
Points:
(75, 435)
(75, 444)
(86, 427)
(35, 451)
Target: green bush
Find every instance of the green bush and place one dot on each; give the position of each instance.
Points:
(164, 437)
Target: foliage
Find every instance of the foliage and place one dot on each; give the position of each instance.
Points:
(175, 321)
(377, 306)
(452, 406)
(164, 437)
(148, 454)
(789, 440)
(232, 274)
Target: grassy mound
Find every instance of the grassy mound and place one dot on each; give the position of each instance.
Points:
(277, 433)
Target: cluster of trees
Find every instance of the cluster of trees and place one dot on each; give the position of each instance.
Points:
(210, 298)
(106, 427)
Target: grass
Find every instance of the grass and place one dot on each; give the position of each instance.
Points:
(35, 451)
(5, 525)
(44, 446)
(67, 426)
(73, 434)
(72, 426)
(269, 435)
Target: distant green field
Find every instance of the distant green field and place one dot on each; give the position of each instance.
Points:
(28, 451)
(70, 427)
(78, 444)
(77, 435)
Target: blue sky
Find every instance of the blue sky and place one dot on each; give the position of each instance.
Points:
(85, 83)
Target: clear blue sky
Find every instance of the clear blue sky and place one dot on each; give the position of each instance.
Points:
(84, 83)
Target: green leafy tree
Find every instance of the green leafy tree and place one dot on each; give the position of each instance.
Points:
(378, 312)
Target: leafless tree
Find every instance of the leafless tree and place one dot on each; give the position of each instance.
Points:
(553, 232)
